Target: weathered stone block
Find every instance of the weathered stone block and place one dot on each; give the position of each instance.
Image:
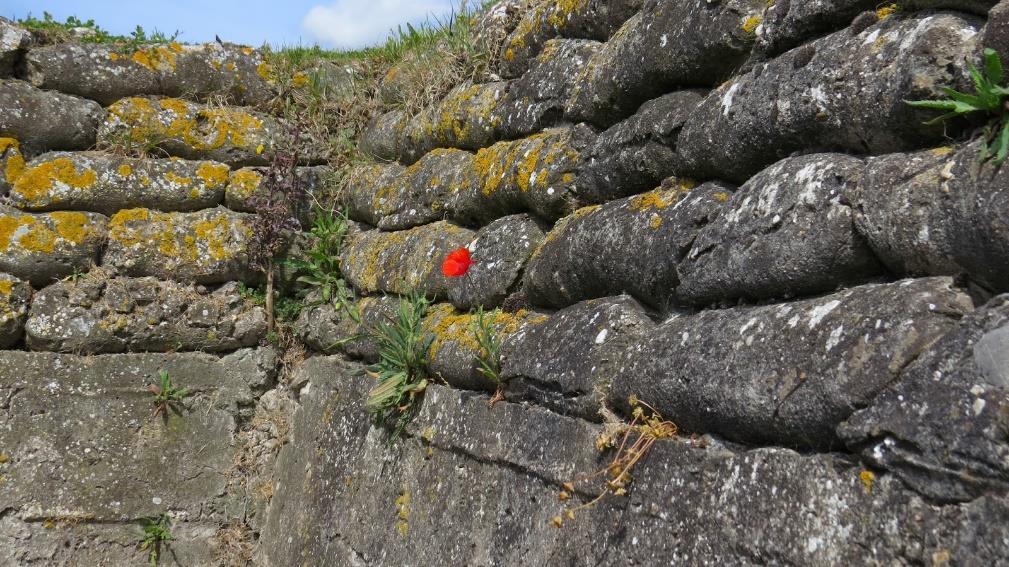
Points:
(467, 118)
(330, 329)
(808, 97)
(500, 252)
(12, 164)
(632, 245)
(393, 501)
(209, 246)
(548, 19)
(940, 427)
(44, 247)
(787, 374)
(383, 136)
(13, 42)
(44, 120)
(81, 442)
(15, 296)
(188, 130)
(107, 184)
(996, 33)
(98, 314)
(403, 261)
(536, 100)
(938, 212)
(787, 231)
(246, 184)
(107, 73)
(667, 45)
(635, 155)
(455, 349)
(565, 362)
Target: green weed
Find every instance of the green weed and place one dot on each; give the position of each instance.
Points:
(55, 31)
(157, 534)
(489, 359)
(401, 370)
(989, 97)
(321, 263)
(166, 395)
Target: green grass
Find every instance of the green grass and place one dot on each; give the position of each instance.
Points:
(401, 370)
(489, 359)
(157, 534)
(55, 31)
(320, 264)
(990, 99)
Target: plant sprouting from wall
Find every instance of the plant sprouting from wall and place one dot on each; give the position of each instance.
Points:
(321, 263)
(157, 534)
(632, 441)
(401, 369)
(277, 202)
(489, 359)
(990, 98)
(167, 396)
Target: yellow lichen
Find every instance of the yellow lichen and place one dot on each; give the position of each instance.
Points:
(213, 174)
(244, 182)
(563, 10)
(655, 222)
(265, 71)
(886, 11)
(403, 512)
(159, 58)
(656, 199)
(6, 287)
(72, 226)
(751, 22)
(124, 169)
(300, 80)
(35, 183)
(720, 196)
(11, 151)
(177, 179)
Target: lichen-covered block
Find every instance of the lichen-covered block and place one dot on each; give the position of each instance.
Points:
(562, 362)
(538, 174)
(246, 184)
(808, 97)
(81, 443)
(665, 46)
(536, 100)
(939, 428)
(43, 120)
(328, 328)
(107, 73)
(453, 355)
(383, 136)
(996, 31)
(392, 197)
(91, 181)
(938, 212)
(548, 19)
(499, 252)
(787, 231)
(467, 118)
(403, 261)
(15, 296)
(635, 155)
(189, 130)
(98, 314)
(12, 164)
(631, 245)
(209, 246)
(786, 374)
(13, 42)
(41, 248)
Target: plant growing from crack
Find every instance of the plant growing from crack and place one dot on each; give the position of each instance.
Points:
(646, 427)
(157, 534)
(401, 370)
(321, 263)
(990, 97)
(489, 358)
(167, 396)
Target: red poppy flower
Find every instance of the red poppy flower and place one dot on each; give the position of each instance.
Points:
(456, 262)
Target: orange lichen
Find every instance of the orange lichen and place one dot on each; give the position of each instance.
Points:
(72, 226)
(159, 58)
(35, 184)
(656, 199)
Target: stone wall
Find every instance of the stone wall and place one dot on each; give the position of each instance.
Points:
(724, 209)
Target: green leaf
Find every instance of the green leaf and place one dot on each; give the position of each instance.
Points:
(1002, 142)
(993, 66)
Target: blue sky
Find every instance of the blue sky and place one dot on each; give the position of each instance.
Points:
(330, 23)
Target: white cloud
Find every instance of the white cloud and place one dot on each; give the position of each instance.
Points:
(359, 23)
